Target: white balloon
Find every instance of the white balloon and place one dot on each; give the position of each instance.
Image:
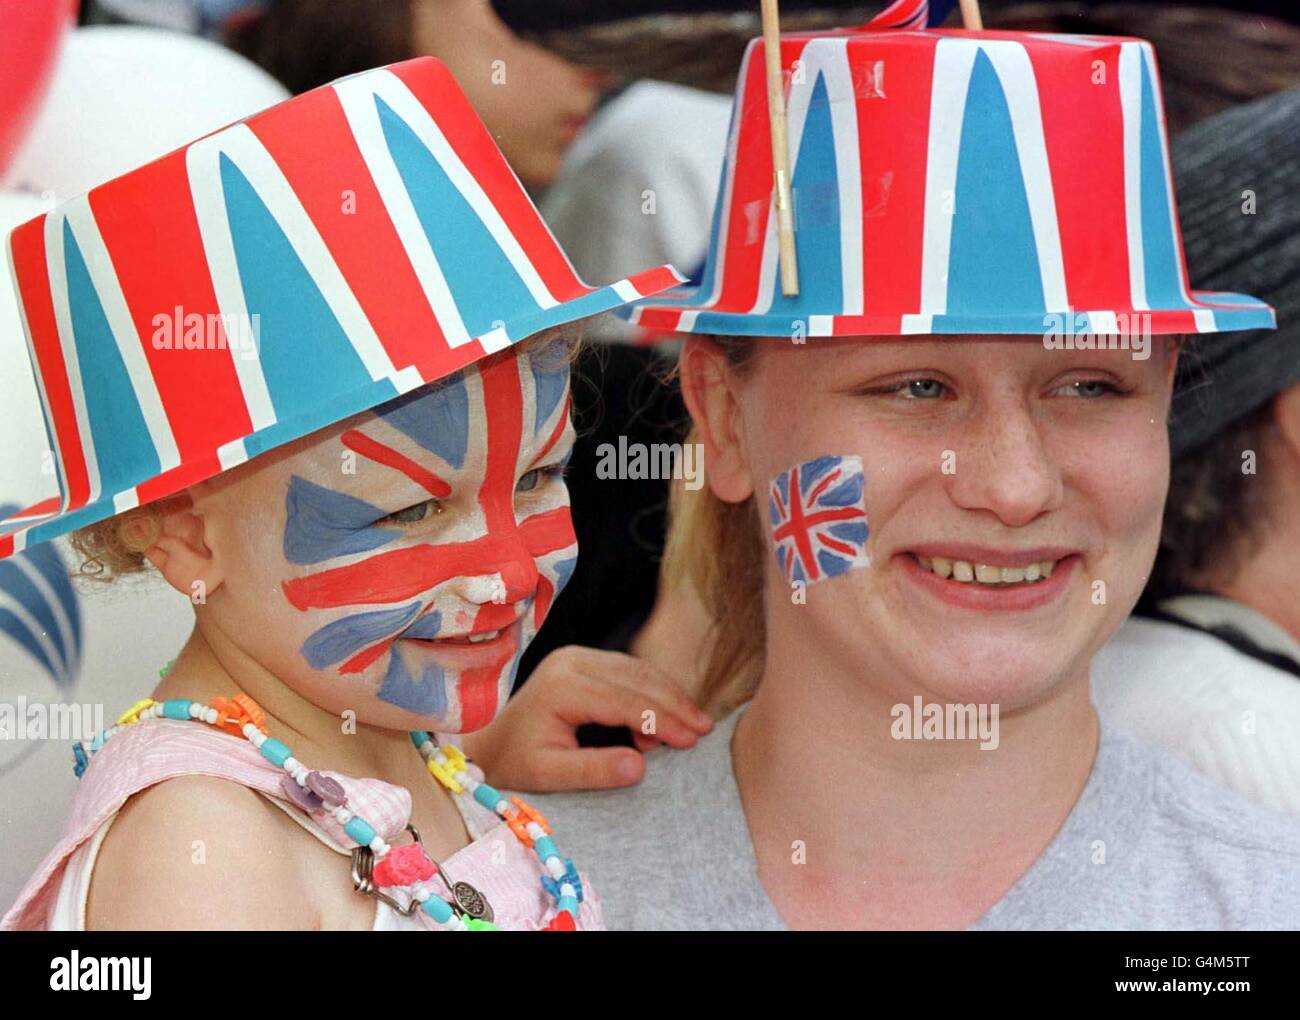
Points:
(124, 95)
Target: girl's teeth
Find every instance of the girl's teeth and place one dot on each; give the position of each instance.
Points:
(476, 638)
(984, 573)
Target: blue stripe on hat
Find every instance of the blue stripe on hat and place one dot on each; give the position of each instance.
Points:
(124, 450)
(993, 262)
(487, 290)
(325, 412)
(289, 306)
(816, 192)
(709, 271)
(1163, 273)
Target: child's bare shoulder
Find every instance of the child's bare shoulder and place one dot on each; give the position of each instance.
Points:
(199, 852)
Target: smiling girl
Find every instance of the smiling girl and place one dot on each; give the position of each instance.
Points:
(915, 502)
(366, 510)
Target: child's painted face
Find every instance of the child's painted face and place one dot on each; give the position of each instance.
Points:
(397, 564)
(920, 492)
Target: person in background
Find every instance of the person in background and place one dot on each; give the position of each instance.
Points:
(534, 102)
(1210, 666)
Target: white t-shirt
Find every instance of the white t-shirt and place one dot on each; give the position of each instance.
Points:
(1234, 718)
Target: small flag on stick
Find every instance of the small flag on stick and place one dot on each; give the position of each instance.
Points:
(780, 147)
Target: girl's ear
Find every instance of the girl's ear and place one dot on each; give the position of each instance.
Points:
(709, 387)
(180, 550)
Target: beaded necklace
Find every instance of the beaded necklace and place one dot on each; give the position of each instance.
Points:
(378, 866)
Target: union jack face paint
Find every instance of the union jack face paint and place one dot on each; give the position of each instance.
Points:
(427, 592)
(818, 518)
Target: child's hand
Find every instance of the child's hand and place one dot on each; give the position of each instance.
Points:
(533, 744)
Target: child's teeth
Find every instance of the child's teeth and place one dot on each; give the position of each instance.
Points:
(1047, 566)
(1032, 572)
(941, 566)
(476, 638)
(962, 571)
(1013, 575)
(986, 574)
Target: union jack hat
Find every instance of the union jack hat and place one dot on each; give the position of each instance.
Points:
(300, 266)
(947, 181)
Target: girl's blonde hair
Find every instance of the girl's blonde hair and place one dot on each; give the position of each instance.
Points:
(717, 549)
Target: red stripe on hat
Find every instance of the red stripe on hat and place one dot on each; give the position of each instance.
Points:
(894, 175)
(1171, 321)
(652, 281)
(27, 249)
(1087, 172)
(192, 471)
(168, 290)
(344, 205)
(751, 192)
(432, 84)
(867, 325)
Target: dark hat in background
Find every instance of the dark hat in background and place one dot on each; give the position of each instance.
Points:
(1237, 175)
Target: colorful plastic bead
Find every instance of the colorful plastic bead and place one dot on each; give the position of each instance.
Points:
(329, 790)
(132, 714)
(404, 865)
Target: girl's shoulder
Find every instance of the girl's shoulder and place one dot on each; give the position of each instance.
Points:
(199, 851)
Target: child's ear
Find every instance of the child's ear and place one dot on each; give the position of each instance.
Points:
(708, 386)
(180, 550)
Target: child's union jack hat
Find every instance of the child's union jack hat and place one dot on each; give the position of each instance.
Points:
(300, 266)
(953, 182)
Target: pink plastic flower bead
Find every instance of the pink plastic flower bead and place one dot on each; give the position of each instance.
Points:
(403, 865)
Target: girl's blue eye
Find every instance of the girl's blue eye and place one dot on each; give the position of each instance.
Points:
(1089, 388)
(924, 389)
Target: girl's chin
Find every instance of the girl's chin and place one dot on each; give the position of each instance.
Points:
(1011, 677)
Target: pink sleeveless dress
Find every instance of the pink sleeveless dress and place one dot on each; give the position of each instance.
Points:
(505, 871)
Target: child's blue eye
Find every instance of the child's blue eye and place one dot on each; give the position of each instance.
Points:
(412, 514)
(537, 476)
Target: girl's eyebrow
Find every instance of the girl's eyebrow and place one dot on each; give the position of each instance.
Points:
(380, 453)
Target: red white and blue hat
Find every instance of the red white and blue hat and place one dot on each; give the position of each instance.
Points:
(947, 181)
(368, 235)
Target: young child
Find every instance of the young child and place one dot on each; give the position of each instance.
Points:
(281, 366)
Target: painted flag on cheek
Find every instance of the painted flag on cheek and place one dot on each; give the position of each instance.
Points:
(514, 549)
(818, 518)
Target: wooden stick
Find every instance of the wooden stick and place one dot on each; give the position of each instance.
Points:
(780, 147)
(970, 15)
